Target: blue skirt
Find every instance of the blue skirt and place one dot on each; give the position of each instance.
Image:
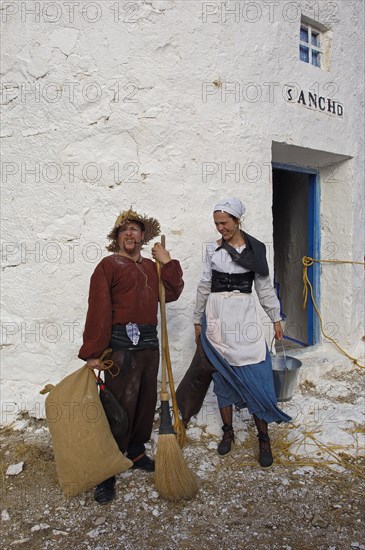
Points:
(250, 386)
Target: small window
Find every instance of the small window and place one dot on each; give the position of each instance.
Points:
(315, 39)
(303, 34)
(310, 45)
(316, 58)
(304, 54)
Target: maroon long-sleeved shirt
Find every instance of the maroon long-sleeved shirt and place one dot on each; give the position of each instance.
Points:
(124, 291)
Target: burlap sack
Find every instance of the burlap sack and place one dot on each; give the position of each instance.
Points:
(84, 448)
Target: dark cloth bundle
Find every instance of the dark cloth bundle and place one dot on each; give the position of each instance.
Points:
(253, 257)
(194, 386)
(115, 413)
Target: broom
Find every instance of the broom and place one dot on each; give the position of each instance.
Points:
(179, 427)
(178, 424)
(174, 480)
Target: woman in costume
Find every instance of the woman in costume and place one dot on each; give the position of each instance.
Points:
(229, 326)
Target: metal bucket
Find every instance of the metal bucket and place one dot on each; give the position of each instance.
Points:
(285, 371)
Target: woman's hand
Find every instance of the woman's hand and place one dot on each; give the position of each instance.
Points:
(278, 329)
(198, 331)
(160, 254)
(93, 363)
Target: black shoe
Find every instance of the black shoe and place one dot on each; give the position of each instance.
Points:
(105, 491)
(265, 457)
(143, 462)
(225, 445)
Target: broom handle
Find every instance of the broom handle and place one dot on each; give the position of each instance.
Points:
(170, 376)
(161, 291)
(166, 360)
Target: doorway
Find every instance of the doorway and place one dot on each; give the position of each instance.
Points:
(296, 234)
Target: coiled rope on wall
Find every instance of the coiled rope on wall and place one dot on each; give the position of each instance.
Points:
(307, 261)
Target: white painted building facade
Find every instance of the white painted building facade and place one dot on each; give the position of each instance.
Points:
(169, 106)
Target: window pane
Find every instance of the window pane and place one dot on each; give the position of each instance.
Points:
(316, 59)
(304, 53)
(315, 39)
(303, 34)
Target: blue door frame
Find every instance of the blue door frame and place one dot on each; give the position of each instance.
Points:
(313, 243)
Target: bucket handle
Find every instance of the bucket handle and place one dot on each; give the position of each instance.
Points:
(272, 342)
(283, 347)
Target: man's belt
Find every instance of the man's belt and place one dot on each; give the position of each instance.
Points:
(147, 338)
(227, 282)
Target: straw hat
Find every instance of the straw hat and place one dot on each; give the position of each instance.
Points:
(150, 226)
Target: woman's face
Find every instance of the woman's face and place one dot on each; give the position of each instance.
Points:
(225, 224)
(130, 237)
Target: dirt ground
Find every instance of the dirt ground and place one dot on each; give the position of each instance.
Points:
(296, 504)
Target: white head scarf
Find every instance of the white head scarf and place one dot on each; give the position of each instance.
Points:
(232, 206)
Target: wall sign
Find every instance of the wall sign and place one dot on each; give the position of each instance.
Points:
(314, 101)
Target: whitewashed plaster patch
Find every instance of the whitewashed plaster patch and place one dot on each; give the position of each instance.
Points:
(64, 39)
(35, 60)
(66, 227)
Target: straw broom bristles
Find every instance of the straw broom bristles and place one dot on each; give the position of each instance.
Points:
(174, 480)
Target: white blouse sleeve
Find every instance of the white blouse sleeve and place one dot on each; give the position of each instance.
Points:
(267, 297)
(204, 287)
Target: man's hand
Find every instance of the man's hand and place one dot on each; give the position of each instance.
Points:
(93, 363)
(160, 254)
(198, 331)
(279, 334)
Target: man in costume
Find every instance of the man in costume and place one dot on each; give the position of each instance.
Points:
(122, 315)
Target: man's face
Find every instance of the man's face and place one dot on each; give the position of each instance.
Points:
(130, 237)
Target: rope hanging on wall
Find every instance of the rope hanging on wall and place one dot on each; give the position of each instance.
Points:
(307, 261)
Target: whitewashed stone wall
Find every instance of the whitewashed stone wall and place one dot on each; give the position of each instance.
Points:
(113, 104)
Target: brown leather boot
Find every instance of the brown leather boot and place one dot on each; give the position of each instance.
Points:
(225, 445)
(265, 457)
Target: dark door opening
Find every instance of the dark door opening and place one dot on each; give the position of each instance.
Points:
(294, 223)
